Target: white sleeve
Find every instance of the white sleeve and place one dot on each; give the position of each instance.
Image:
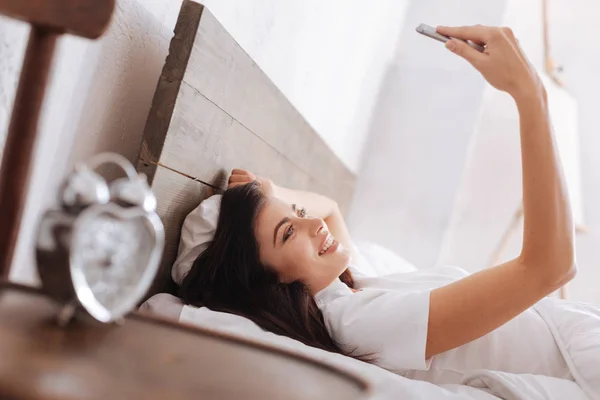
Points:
(390, 325)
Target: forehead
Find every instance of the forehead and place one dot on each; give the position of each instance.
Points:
(270, 215)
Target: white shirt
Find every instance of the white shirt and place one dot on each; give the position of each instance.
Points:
(388, 318)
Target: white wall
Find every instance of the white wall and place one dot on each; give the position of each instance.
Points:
(327, 57)
(490, 190)
(420, 134)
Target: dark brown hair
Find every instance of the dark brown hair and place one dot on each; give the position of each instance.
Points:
(229, 277)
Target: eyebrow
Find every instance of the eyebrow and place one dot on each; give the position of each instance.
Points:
(283, 221)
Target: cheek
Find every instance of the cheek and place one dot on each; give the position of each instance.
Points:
(298, 259)
(286, 262)
(304, 248)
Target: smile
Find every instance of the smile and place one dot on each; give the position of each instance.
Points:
(329, 245)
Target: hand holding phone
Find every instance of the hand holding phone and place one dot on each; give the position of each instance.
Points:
(503, 64)
(431, 32)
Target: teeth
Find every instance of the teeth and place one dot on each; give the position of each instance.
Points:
(327, 244)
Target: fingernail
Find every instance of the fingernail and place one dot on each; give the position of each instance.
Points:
(450, 45)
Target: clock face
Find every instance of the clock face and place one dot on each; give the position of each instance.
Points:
(115, 253)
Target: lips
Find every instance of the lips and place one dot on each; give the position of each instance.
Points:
(332, 249)
(329, 245)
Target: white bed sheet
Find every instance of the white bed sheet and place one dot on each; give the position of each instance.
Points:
(385, 385)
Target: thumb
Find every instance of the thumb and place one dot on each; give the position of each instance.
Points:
(462, 49)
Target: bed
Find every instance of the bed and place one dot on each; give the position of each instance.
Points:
(214, 110)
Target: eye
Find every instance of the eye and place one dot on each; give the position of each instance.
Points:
(289, 231)
(301, 212)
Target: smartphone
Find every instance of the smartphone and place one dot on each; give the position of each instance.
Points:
(430, 31)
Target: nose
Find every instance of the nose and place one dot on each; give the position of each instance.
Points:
(316, 225)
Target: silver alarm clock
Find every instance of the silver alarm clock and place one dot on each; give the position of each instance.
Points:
(101, 249)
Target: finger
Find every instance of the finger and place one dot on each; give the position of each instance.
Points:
(508, 32)
(239, 178)
(474, 33)
(237, 183)
(237, 171)
(462, 49)
(234, 184)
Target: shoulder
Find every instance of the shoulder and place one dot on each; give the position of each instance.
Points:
(389, 324)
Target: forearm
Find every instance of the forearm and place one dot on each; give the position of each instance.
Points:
(474, 306)
(548, 225)
(316, 205)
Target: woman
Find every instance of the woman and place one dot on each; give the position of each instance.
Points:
(279, 267)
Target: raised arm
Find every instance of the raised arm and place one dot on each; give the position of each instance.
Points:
(472, 307)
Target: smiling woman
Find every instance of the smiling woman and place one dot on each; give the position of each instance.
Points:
(302, 248)
(266, 262)
(290, 273)
(314, 248)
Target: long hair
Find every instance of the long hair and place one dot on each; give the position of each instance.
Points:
(229, 277)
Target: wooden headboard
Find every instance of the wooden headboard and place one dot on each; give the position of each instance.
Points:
(214, 110)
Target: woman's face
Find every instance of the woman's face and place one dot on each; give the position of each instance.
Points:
(293, 246)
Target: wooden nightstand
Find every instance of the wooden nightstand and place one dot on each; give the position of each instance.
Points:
(146, 358)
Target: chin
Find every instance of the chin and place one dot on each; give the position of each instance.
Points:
(337, 261)
(342, 260)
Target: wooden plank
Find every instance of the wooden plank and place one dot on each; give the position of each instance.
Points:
(310, 164)
(167, 89)
(221, 70)
(202, 132)
(204, 142)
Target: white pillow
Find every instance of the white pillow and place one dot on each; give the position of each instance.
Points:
(197, 232)
(163, 304)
